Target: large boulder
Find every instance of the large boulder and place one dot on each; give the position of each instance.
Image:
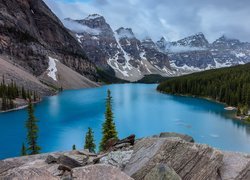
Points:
(189, 160)
(99, 172)
(162, 171)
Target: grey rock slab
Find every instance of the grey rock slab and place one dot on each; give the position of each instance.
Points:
(173, 134)
(189, 160)
(99, 172)
(162, 172)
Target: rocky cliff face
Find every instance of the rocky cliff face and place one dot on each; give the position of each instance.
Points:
(30, 33)
(167, 156)
(119, 50)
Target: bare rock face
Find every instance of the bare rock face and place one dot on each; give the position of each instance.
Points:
(29, 173)
(190, 161)
(235, 166)
(117, 158)
(99, 172)
(30, 33)
(173, 134)
(162, 171)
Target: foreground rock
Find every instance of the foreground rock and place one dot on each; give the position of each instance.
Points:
(190, 161)
(160, 157)
(176, 135)
(99, 172)
(162, 171)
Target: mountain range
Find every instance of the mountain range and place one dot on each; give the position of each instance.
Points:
(131, 58)
(41, 53)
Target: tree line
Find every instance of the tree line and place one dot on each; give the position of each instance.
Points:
(31, 147)
(9, 92)
(227, 85)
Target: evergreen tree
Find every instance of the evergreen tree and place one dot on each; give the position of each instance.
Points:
(32, 134)
(74, 147)
(23, 151)
(238, 113)
(24, 95)
(89, 141)
(108, 128)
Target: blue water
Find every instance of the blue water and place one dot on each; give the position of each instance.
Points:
(138, 109)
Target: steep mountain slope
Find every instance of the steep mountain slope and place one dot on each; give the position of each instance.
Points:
(30, 33)
(22, 77)
(119, 51)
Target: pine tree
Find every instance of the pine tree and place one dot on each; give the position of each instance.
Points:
(238, 113)
(89, 141)
(24, 95)
(74, 147)
(23, 151)
(108, 128)
(32, 128)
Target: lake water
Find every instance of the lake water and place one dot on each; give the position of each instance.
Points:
(138, 109)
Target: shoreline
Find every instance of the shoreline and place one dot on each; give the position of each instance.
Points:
(26, 105)
(226, 108)
(20, 107)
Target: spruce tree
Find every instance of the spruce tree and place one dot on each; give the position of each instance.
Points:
(32, 128)
(23, 92)
(89, 141)
(23, 151)
(108, 127)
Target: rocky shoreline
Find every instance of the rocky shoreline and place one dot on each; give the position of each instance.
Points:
(165, 156)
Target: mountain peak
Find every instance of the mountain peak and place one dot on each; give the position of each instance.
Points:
(196, 40)
(125, 32)
(94, 16)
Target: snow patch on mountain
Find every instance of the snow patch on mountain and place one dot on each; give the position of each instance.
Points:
(78, 37)
(180, 48)
(52, 70)
(240, 54)
(93, 16)
(126, 56)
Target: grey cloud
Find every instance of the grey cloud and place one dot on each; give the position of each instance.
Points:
(171, 19)
(79, 28)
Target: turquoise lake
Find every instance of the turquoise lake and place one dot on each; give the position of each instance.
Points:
(138, 109)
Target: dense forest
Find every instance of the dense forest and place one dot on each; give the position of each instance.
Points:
(10, 92)
(229, 85)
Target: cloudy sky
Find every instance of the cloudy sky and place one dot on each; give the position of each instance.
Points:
(173, 19)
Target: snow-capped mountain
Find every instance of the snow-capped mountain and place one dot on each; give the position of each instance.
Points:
(129, 58)
(195, 53)
(120, 50)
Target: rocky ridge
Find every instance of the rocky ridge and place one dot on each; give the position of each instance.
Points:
(119, 51)
(166, 156)
(195, 53)
(30, 35)
(131, 59)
